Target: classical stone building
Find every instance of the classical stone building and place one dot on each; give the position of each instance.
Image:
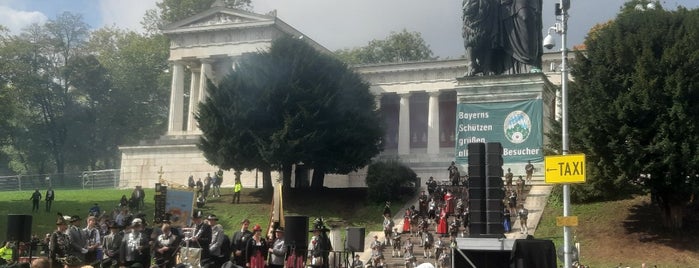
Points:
(419, 100)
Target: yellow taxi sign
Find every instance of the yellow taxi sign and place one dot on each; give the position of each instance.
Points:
(567, 221)
(568, 168)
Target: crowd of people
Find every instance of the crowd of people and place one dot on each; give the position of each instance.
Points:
(441, 215)
(136, 244)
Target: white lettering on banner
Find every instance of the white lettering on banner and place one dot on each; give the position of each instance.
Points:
(473, 127)
(462, 153)
(525, 151)
(471, 116)
(465, 141)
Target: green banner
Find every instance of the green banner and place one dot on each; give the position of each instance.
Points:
(517, 125)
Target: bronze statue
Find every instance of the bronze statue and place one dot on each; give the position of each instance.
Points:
(502, 36)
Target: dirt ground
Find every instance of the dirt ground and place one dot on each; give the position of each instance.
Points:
(630, 233)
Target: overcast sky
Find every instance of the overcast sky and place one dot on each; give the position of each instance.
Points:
(333, 23)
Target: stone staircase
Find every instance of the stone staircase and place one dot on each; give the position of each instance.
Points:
(537, 193)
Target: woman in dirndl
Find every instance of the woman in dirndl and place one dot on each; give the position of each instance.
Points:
(406, 220)
(256, 249)
(442, 227)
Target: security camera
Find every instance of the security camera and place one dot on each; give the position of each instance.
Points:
(549, 42)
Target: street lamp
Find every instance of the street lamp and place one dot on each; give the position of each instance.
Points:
(561, 27)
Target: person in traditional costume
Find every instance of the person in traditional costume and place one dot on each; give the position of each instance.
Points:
(443, 227)
(256, 249)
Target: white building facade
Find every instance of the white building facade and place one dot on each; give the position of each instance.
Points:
(418, 99)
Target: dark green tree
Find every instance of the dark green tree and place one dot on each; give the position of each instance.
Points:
(387, 181)
(287, 106)
(634, 108)
(397, 47)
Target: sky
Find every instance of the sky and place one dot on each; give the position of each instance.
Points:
(333, 23)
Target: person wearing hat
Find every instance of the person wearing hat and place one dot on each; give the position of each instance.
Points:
(320, 245)
(357, 262)
(217, 240)
(59, 245)
(278, 249)
(110, 246)
(239, 241)
(201, 237)
(78, 238)
(315, 254)
(134, 249)
(256, 249)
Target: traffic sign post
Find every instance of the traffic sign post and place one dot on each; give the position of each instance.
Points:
(568, 168)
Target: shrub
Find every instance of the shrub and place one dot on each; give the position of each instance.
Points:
(387, 181)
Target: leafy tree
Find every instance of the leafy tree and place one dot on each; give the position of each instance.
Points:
(290, 105)
(168, 11)
(386, 181)
(136, 64)
(35, 71)
(397, 47)
(71, 102)
(634, 108)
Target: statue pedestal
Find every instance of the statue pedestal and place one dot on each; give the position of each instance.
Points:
(514, 110)
(504, 88)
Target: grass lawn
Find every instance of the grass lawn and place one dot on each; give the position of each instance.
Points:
(342, 207)
(626, 232)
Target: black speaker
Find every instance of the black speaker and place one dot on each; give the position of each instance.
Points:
(533, 253)
(493, 171)
(486, 230)
(355, 239)
(476, 171)
(479, 194)
(494, 148)
(476, 154)
(495, 182)
(296, 232)
(19, 227)
(483, 259)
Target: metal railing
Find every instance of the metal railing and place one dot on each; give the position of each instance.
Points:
(108, 178)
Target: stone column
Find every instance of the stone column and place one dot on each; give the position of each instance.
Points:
(206, 72)
(193, 99)
(175, 115)
(433, 124)
(404, 125)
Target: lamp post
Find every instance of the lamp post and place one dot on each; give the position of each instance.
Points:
(561, 27)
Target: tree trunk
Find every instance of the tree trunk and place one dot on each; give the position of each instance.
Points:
(267, 180)
(286, 176)
(318, 178)
(672, 214)
(301, 177)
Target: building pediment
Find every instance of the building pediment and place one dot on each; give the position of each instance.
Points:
(219, 18)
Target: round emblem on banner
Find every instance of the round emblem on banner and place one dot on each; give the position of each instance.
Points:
(517, 127)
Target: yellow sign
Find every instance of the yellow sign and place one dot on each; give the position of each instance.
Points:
(568, 168)
(567, 221)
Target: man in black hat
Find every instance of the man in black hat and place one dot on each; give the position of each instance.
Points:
(201, 238)
(110, 246)
(78, 238)
(320, 243)
(239, 241)
(278, 249)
